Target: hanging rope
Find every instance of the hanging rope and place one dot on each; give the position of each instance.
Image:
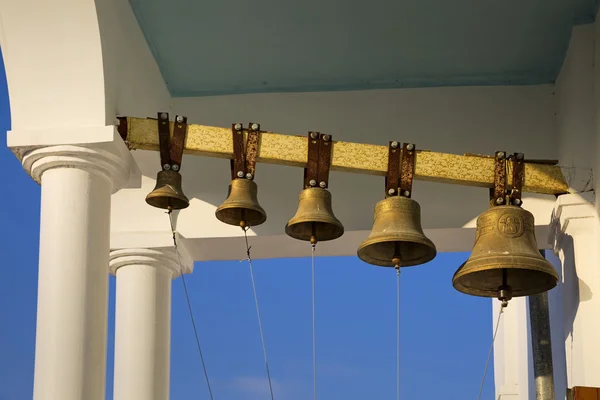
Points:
(314, 324)
(187, 296)
(487, 363)
(398, 335)
(262, 335)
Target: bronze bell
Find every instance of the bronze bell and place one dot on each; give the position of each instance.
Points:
(505, 260)
(167, 193)
(314, 220)
(397, 238)
(241, 207)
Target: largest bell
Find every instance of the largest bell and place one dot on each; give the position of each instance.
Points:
(241, 207)
(505, 260)
(397, 238)
(167, 193)
(314, 219)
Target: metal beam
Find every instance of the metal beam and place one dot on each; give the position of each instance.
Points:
(275, 148)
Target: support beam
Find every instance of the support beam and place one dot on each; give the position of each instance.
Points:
(468, 170)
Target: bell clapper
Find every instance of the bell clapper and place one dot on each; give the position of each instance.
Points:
(504, 291)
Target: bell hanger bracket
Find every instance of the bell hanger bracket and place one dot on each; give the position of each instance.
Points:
(316, 174)
(401, 169)
(500, 194)
(243, 164)
(171, 148)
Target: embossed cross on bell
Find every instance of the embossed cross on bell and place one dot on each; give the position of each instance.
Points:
(314, 220)
(397, 238)
(167, 193)
(241, 207)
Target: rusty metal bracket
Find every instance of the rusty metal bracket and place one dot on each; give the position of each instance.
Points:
(164, 137)
(122, 128)
(498, 192)
(238, 163)
(518, 179)
(177, 142)
(324, 162)
(407, 169)
(252, 149)
(311, 172)
(392, 178)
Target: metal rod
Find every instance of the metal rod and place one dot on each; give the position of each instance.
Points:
(541, 344)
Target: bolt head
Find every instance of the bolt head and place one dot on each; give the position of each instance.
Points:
(164, 116)
(248, 175)
(166, 167)
(179, 118)
(406, 193)
(501, 154)
(394, 145)
(175, 167)
(238, 127)
(391, 191)
(519, 156)
(517, 202)
(322, 184)
(326, 138)
(499, 200)
(240, 174)
(313, 135)
(254, 127)
(312, 182)
(410, 147)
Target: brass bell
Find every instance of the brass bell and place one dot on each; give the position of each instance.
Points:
(241, 207)
(167, 193)
(505, 260)
(314, 220)
(397, 238)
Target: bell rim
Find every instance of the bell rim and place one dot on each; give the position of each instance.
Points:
(338, 233)
(184, 202)
(413, 263)
(533, 266)
(250, 223)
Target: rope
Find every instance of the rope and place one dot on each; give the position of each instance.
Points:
(398, 335)
(187, 296)
(314, 324)
(262, 335)
(487, 363)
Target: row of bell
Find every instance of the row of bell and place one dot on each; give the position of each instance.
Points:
(504, 262)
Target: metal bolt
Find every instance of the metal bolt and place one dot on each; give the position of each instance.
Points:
(517, 202)
(391, 191)
(175, 167)
(410, 147)
(179, 118)
(499, 200)
(254, 127)
(394, 145)
(322, 184)
(519, 156)
(326, 138)
(240, 174)
(313, 135)
(238, 127)
(501, 154)
(406, 193)
(164, 116)
(312, 182)
(166, 167)
(248, 175)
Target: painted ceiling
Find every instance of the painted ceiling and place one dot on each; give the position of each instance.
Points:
(253, 46)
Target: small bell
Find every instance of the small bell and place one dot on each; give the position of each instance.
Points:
(314, 220)
(397, 238)
(505, 260)
(167, 193)
(241, 207)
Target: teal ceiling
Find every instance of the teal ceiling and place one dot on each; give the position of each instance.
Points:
(252, 46)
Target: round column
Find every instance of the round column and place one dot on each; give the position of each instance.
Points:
(70, 354)
(143, 322)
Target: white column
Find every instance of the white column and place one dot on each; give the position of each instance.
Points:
(143, 321)
(70, 354)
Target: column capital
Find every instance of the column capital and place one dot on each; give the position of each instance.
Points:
(160, 257)
(98, 150)
(568, 208)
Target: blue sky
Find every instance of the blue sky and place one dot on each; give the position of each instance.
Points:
(445, 335)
